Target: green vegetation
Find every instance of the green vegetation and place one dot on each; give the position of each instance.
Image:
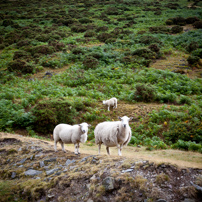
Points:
(107, 53)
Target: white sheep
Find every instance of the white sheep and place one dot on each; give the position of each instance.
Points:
(111, 102)
(69, 134)
(113, 133)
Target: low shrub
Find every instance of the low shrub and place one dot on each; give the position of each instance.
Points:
(191, 20)
(90, 34)
(198, 24)
(176, 29)
(90, 62)
(147, 40)
(193, 60)
(192, 46)
(144, 93)
(104, 36)
(20, 66)
(49, 113)
(144, 52)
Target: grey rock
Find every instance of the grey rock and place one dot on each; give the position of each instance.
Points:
(89, 200)
(108, 183)
(68, 162)
(126, 171)
(189, 200)
(161, 200)
(32, 172)
(32, 157)
(50, 160)
(21, 166)
(20, 149)
(50, 172)
(23, 160)
(41, 163)
(13, 175)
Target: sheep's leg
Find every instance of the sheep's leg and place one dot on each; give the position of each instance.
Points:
(107, 148)
(99, 147)
(108, 108)
(62, 145)
(55, 146)
(76, 149)
(119, 150)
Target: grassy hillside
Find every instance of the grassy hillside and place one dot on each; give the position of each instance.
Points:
(60, 59)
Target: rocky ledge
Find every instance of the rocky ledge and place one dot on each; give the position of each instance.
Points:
(30, 170)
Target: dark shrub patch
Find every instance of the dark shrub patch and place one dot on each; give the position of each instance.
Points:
(144, 93)
(49, 113)
(157, 13)
(42, 49)
(20, 54)
(191, 20)
(103, 28)
(20, 66)
(197, 52)
(23, 43)
(104, 36)
(78, 28)
(85, 20)
(154, 48)
(57, 45)
(176, 29)
(7, 22)
(113, 11)
(176, 21)
(193, 60)
(89, 34)
(198, 24)
(192, 46)
(173, 6)
(160, 29)
(77, 51)
(1, 39)
(90, 62)
(149, 39)
(145, 53)
(43, 37)
(69, 21)
(110, 40)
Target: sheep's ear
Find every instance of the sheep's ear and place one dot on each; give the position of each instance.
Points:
(89, 125)
(119, 117)
(131, 118)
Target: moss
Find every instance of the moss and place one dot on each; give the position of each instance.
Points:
(12, 151)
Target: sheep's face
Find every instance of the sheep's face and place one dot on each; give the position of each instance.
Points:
(84, 127)
(125, 120)
(104, 102)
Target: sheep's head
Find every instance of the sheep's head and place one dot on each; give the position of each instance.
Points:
(125, 120)
(84, 127)
(104, 102)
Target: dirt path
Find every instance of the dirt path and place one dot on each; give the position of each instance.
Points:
(179, 158)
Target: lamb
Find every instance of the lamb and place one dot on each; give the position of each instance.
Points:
(65, 133)
(113, 133)
(111, 102)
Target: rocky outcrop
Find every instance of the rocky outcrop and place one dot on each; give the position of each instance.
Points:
(36, 173)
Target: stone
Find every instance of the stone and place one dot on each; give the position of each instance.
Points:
(23, 160)
(50, 160)
(108, 183)
(42, 164)
(161, 200)
(32, 172)
(50, 172)
(189, 200)
(13, 175)
(68, 162)
(126, 171)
